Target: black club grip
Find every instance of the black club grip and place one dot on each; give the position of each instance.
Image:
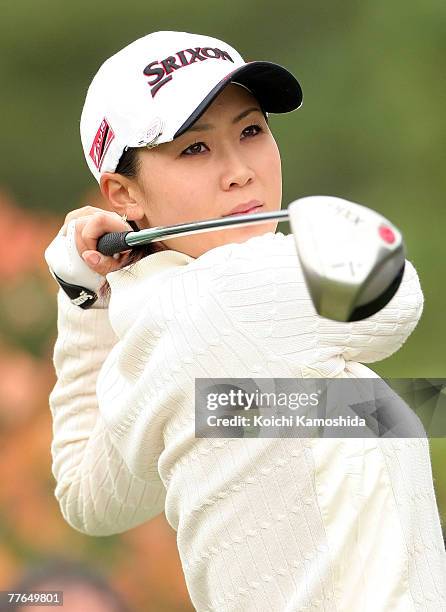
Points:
(112, 243)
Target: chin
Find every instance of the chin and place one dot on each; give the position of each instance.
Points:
(249, 231)
(223, 237)
(242, 234)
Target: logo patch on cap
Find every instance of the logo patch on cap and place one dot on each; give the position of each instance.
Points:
(101, 142)
(162, 70)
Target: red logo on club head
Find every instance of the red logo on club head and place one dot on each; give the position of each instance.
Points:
(387, 234)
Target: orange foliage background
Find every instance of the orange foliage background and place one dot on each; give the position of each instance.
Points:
(141, 564)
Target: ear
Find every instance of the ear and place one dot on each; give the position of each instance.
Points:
(123, 195)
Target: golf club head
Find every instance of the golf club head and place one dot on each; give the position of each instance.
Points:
(351, 256)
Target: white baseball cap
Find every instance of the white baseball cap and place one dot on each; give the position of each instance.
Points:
(155, 88)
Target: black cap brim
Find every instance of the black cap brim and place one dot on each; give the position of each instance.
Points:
(276, 89)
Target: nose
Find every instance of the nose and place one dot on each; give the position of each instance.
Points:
(236, 170)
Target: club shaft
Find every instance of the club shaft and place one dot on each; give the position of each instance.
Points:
(184, 229)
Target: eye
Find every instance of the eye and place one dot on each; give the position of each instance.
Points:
(257, 129)
(193, 149)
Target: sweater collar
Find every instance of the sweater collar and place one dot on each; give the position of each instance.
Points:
(148, 266)
(130, 286)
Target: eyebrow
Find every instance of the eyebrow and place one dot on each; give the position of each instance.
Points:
(208, 126)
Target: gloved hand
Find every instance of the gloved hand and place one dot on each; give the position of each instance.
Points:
(71, 256)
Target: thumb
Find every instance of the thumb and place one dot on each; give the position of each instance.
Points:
(101, 263)
(92, 258)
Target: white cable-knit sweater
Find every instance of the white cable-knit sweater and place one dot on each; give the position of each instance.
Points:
(263, 525)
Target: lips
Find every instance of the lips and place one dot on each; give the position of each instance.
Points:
(246, 207)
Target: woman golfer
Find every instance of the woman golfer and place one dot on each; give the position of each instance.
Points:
(175, 129)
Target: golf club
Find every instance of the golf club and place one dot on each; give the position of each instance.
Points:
(352, 257)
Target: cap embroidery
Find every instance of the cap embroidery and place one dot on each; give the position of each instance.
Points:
(101, 142)
(159, 69)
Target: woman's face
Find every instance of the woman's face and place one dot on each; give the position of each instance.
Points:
(226, 159)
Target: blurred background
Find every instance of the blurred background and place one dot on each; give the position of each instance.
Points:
(371, 130)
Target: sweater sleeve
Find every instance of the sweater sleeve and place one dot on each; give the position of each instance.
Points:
(382, 334)
(97, 493)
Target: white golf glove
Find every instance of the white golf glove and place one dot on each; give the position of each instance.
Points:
(67, 267)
